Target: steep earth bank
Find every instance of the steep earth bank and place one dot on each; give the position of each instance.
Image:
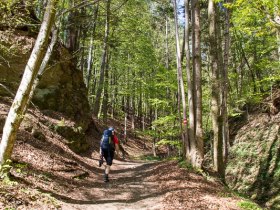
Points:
(254, 162)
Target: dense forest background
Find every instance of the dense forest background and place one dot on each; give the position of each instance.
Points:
(189, 74)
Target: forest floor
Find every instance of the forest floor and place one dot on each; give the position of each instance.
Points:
(46, 174)
(150, 185)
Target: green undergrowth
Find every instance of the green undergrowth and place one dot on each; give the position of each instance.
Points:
(16, 195)
(149, 158)
(254, 164)
(248, 205)
(245, 203)
(184, 164)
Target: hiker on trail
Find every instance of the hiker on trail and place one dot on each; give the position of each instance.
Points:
(109, 143)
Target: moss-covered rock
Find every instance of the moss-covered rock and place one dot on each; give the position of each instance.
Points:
(61, 87)
(75, 137)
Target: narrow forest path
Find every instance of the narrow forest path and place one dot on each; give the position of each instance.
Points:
(129, 188)
(149, 185)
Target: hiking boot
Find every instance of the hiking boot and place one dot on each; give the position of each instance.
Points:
(106, 178)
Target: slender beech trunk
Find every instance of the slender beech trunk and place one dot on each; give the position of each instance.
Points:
(103, 63)
(132, 98)
(72, 32)
(132, 103)
(82, 58)
(183, 45)
(198, 157)
(89, 62)
(225, 86)
(277, 22)
(166, 44)
(90, 56)
(168, 94)
(140, 106)
(95, 76)
(125, 128)
(278, 43)
(18, 108)
(181, 83)
(219, 41)
(156, 134)
(114, 100)
(215, 88)
(189, 80)
(128, 86)
(106, 87)
(143, 113)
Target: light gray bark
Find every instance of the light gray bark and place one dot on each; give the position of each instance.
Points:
(106, 95)
(90, 54)
(181, 82)
(89, 62)
(189, 80)
(226, 144)
(215, 88)
(166, 44)
(103, 63)
(198, 157)
(17, 110)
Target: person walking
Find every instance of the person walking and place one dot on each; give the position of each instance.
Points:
(108, 145)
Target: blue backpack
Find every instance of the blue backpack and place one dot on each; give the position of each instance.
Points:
(106, 141)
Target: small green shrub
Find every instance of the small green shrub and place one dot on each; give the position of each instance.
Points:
(5, 173)
(185, 164)
(150, 158)
(248, 205)
(5, 169)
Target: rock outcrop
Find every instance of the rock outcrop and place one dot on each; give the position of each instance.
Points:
(61, 87)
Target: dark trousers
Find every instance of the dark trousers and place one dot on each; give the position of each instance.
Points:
(108, 155)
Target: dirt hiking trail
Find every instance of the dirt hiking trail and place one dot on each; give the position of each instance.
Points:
(152, 185)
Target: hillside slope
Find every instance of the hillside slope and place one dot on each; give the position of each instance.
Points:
(254, 162)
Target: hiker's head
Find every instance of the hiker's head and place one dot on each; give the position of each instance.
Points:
(111, 129)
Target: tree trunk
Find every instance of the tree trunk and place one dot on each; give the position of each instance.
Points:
(20, 102)
(132, 115)
(89, 62)
(125, 128)
(90, 56)
(71, 30)
(278, 43)
(166, 44)
(156, 134)
(106, 87)
(225, 87)
(181, 82)
(190, 82)
(103, 63)
(198, 157)
(215, 99)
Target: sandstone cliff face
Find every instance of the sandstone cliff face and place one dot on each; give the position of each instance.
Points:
(61, 87)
